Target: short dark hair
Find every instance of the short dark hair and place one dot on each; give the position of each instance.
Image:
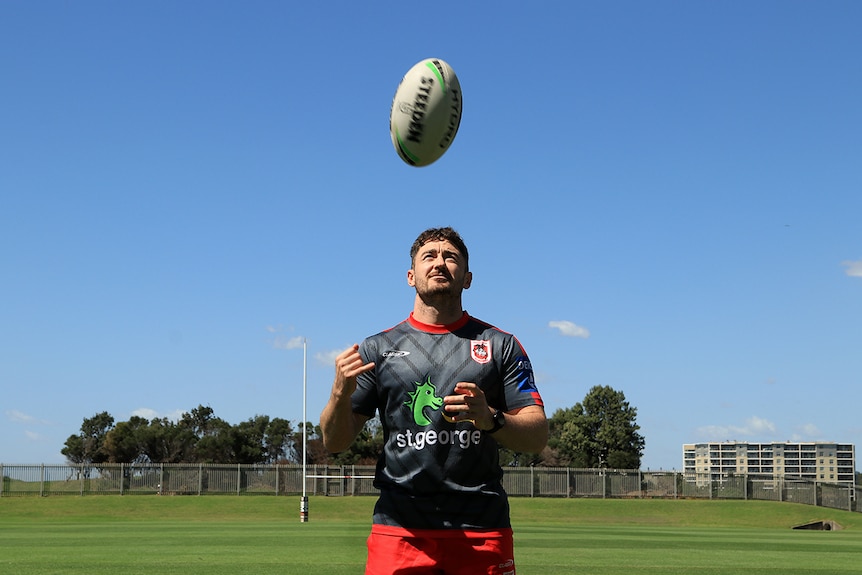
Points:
(440, 234)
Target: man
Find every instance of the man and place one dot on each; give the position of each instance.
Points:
(449, 389)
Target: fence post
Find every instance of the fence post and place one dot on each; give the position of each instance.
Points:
(161, 478)
(2, 480)
(238, 479)
(532, 482)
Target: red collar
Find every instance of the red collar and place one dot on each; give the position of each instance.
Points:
(431, 328)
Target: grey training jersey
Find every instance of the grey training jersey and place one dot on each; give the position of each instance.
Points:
(434, 473)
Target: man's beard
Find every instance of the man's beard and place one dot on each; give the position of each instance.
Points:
(432, 293)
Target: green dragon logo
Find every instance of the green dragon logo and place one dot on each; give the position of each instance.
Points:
(424, 397)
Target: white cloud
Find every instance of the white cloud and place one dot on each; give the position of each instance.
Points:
(716, 432)
(145, 412)
(18, 417)
(176, 414)
(854, 269)
(281, 342)
(809, 430)
(759, 425)
(151, 414)
(327, 357)
(752, 428)
(570, 329)
(32, 436)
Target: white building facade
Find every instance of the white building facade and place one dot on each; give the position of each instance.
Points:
(814, 461)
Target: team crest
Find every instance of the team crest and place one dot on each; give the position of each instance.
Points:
(480, 350)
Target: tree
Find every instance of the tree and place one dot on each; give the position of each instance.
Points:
(210, 436)
(509, 458)
(600, 432)
(88, 446)
(201, 437)
(128, 442)
(170, 442)
(248, 440)
(216, 446)
(316, 453)
(278, 443)
(366, 448)
(201, 421)
(74, 449)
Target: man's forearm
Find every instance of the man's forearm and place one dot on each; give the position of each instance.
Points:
(525, 431)
(338, 424)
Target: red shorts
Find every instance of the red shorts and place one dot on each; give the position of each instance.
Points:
(399, 551)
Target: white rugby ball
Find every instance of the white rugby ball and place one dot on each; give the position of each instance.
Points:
(426, 112)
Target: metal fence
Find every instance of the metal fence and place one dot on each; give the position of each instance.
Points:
(213, 479)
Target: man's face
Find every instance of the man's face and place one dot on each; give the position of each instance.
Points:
(439, 269)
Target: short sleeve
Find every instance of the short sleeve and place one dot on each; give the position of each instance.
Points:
(365, 399)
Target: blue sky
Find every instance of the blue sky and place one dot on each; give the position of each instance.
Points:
(662, 197)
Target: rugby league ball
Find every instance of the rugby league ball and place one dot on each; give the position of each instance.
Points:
(426, 112)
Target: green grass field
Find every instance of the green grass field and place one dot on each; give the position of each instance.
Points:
(110, 535)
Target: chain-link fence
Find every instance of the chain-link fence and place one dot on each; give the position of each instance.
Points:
(214, 479)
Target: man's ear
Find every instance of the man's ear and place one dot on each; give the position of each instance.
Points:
(411, 280)
(468, 280)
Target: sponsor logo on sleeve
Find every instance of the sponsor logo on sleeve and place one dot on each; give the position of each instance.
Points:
(526, 380)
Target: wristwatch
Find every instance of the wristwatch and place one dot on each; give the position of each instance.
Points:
(499, 419)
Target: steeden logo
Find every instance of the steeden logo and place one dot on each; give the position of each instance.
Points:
(395, 353)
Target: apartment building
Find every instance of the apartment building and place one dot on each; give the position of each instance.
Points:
(815, 461)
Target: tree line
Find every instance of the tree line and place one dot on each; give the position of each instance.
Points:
(600, 431)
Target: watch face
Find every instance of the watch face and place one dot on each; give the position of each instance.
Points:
(499, 421)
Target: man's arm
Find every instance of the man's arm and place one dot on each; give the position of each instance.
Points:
(339, 425)
(526, 428)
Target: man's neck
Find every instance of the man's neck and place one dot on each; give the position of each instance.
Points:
(437, 314)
